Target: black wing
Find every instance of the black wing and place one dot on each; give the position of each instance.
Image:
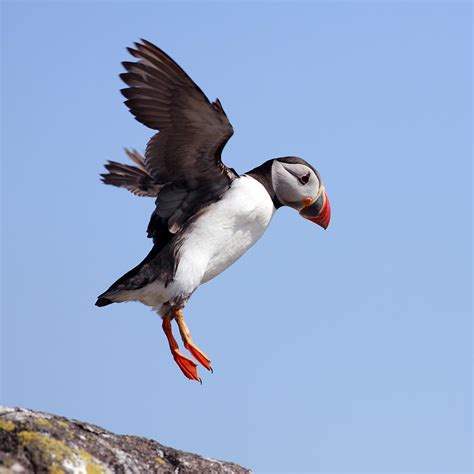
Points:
(185, 156)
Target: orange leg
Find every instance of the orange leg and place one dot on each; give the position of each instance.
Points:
(188, 342)
(187, 365)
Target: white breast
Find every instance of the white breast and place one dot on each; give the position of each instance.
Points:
(224, 232)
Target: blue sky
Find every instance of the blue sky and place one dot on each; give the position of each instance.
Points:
(340, 351)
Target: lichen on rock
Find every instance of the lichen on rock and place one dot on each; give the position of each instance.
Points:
(40, 442)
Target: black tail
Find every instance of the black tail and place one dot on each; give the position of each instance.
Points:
(101, 301)
(134, 178)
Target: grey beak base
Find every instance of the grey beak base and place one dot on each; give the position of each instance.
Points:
(312, 211)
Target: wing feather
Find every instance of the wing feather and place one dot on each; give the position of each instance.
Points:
(185, 154)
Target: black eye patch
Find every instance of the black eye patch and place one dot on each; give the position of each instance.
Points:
(304, 179)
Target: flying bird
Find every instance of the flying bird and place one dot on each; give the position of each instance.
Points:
(206, 215)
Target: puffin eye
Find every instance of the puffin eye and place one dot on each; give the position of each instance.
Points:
(304, 179)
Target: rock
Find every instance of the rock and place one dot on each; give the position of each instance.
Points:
(43, 443)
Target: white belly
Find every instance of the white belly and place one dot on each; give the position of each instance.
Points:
(223, 233)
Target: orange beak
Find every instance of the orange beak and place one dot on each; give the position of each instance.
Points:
(319, 212)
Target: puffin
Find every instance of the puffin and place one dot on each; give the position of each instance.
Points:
(206, 214)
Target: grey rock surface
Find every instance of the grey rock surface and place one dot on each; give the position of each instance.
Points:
(35, 442)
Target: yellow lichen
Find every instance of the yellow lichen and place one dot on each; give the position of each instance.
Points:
(91, 465)
(43, 422)
(51, 446)
(55, 469)
(65, 429)
(62, 424)
(7, 425)
(59, 451)
(94, 469)
(159, 460)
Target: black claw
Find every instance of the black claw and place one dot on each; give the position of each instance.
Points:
(211, 370)
(200, 381)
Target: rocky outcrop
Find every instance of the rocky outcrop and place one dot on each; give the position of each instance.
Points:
(42, 443)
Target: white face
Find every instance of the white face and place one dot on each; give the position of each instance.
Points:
(295, 184)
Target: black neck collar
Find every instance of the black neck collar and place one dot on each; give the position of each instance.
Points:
(263, 174)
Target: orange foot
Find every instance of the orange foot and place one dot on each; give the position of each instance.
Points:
(198, 355)
(188, 342)
(187, 365)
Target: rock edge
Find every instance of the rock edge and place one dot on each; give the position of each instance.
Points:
(38, 442)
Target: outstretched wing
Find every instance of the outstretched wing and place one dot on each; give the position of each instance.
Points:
(134, 178)
(185, 156)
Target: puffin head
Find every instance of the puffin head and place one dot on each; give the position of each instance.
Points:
(298, 185)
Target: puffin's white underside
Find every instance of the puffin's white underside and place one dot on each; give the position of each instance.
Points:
(224, 232)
